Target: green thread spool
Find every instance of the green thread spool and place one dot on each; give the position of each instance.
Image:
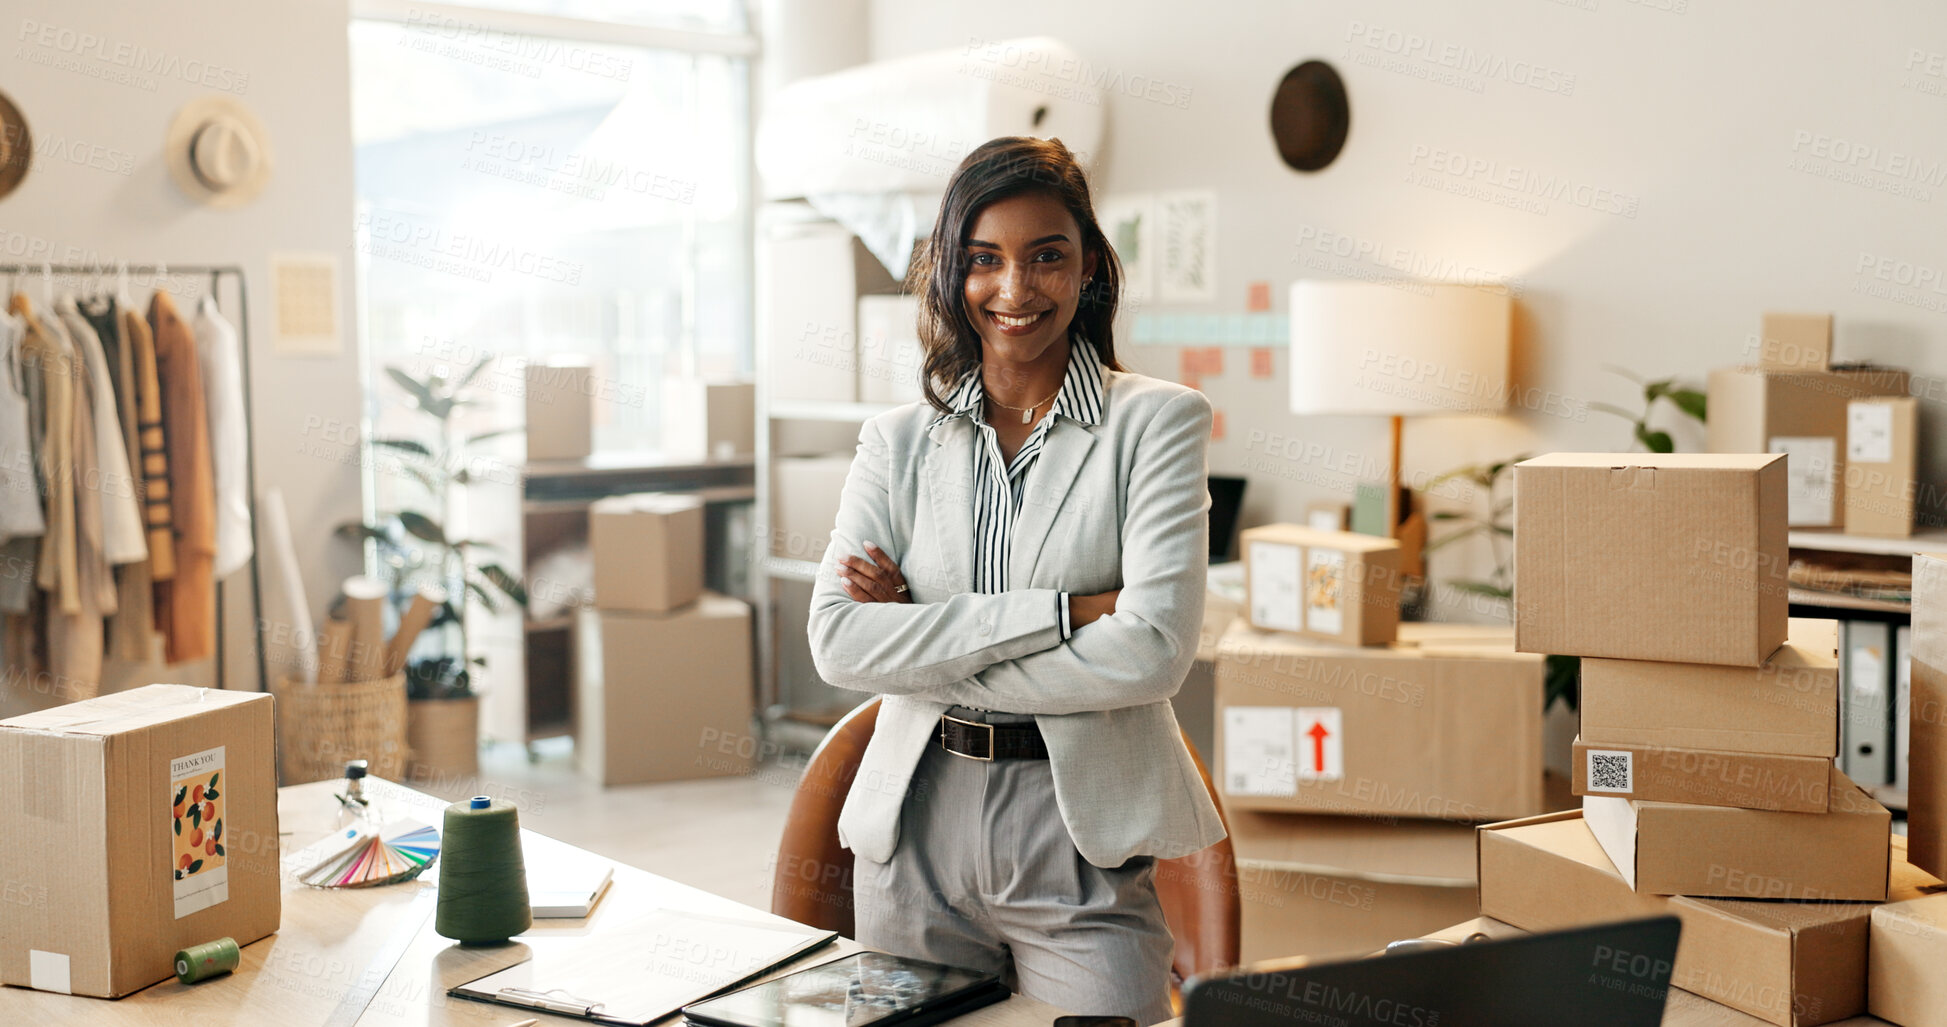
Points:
(482, 881)
(210, 959)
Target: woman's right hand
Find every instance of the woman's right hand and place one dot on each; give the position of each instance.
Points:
(1085, 609)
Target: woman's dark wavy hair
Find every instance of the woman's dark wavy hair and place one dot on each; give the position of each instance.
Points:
(998, 169)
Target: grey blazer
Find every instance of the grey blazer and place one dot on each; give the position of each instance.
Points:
(1120, 504)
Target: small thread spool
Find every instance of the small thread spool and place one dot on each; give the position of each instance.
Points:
(210, 959)
(482, 879)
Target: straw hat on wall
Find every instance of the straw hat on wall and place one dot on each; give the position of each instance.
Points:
(218, 152)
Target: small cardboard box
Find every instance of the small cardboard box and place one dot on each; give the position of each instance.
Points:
(647, 550)
(1881, 464)
(805, 491)
(110, 864)
(1338, 586)
(1673, 848)
(664, 696)
(1795, 342)
(1926, 795)
(1705, 777)
(1796, 964)
(1418, 729)
(890, 357)
(1788, 707)
(809, 279)
(1800, 413)
(705, 421)
(1907, 954)
(1324, 886)
(1677, 557)
(560, 410)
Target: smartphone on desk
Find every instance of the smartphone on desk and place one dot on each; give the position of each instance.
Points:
(1094, 1021)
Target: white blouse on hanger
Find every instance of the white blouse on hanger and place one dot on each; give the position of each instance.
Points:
(20, 492)
(219, 353)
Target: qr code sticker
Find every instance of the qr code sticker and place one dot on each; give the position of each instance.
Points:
(1611, 771)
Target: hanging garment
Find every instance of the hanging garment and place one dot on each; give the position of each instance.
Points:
(49, 364)
(22, 523)
(113, 489)
(75, 640)
(153, 445)
(131, 632)
(291, 650)
(186, 604)
(220, 350)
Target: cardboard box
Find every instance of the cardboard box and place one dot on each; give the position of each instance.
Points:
(1881, 465)
(1705, 777)
(1677, 557)
(810, 278)
(1926, 794)
(1788, 707)
(1795, 342)
(1796, 964)
(647, 550)
(664, 696)
(890, 357)
(1324, 886)
(1332, 585)
(560, 410)
(1906, 956)
(709, 420)
(102, 886)
(1674, 848)
(1801, 413)
(1417, 729)
(805, 491)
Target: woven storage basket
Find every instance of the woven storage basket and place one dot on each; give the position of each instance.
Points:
(320, 727)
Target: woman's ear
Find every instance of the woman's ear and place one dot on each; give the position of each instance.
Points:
(1089, 264)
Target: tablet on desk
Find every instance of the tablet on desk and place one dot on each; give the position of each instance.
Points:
(867, 989)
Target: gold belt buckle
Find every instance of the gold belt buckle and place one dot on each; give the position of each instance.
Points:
(989, 758)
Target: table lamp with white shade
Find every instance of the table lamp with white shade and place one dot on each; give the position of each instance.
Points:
(1399, 349)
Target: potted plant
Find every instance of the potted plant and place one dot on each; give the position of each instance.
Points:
(414, 552)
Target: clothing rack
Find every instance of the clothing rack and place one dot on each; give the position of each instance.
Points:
(216, 273)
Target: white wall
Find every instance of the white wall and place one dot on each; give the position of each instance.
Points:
(1698, 113)
(102, 80)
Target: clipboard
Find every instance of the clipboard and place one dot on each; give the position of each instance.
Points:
(647, 970)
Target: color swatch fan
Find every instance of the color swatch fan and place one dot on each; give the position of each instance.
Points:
(400, 851)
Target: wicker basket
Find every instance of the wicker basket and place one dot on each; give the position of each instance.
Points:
(444, 735)
(319, 727)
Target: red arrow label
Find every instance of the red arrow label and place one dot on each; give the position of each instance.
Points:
(1318, 734)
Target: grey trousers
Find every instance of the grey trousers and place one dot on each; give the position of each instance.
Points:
(985, 876)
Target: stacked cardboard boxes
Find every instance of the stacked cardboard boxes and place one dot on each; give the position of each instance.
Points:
(1709, 731)
(1354, 752)
(662, 667)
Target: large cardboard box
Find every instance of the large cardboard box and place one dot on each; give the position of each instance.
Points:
(664, 696)
(1801, 413)
(805, 491)
(1324, 886)
(810, 278)
(1882, 459)
(1796, 964)
(1926, 795)
(1677, 557)
(890, 357)
(1706, 777)
(1795, 342)
(560, 409)
(1907, 975)
(1674, 848)
(709, 420)
(1789, 706)
(1339, 586)
(647, 549)
(110, 864)
(1443, 730)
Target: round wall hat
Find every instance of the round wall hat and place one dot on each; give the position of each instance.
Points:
(1310, 116)
(16, 146)
(218, 152)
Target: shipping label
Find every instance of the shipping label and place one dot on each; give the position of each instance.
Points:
(1275, 585)
(1320, 741)
(1869, 433)
(1258, 757)
(1810, 473)
(1324, 591)
(1611, 770)
(196, 808)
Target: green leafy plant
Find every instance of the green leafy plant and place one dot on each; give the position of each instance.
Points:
(412, 545)
(1496, 524)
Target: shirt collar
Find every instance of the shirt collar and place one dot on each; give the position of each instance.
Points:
(1080, 398)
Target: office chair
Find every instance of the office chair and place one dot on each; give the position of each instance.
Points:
(812, 883)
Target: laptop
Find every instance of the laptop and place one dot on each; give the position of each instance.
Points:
(1612, 975)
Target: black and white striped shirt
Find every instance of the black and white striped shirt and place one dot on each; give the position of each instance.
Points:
(1000, 484)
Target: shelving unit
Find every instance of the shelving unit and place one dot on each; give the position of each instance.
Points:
(1866, 550)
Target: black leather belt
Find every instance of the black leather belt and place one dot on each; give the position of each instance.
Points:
(977, 741)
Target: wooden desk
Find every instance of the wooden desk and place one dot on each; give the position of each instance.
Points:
(297, 977)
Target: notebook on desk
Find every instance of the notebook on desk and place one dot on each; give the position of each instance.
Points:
(646, 971)
(567, 889)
